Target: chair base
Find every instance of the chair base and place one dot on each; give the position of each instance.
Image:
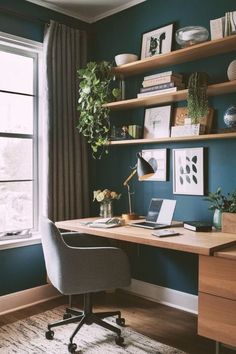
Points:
(87, 317)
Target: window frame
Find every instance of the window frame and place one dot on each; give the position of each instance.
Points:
(27, 48)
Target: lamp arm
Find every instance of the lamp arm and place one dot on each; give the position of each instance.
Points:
(130, 176)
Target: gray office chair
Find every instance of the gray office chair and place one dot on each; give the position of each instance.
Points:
(84, 269)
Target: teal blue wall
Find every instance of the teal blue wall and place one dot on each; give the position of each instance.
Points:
(121, 33)
(23, 268)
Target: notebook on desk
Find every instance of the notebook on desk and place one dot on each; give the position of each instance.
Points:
(160, 214)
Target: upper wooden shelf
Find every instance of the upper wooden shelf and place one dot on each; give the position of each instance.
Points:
(195, 52)
(213, 90)
(231, 135)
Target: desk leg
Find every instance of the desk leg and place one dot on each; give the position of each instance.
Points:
(218, 347)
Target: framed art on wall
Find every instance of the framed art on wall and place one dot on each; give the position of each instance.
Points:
(188, 176)
(157, 41)
(157, 122)
(157, 159)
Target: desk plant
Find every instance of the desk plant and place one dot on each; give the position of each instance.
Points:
(197, 102)
(95, 90)
(221, 204)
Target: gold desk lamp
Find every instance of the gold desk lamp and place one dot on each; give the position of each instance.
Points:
(144, 170)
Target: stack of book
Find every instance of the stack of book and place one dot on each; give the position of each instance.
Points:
(161, 83)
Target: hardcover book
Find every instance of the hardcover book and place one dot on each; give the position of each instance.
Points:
(197, 226)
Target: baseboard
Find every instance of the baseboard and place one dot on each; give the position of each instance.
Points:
(26, 298)
(166, 296)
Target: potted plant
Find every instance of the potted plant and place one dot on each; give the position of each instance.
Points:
(95, 90)
(197, 102)
(222, 206)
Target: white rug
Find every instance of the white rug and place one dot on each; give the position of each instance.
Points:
(28, 337)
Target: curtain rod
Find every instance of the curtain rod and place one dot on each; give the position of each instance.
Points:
(25, 17)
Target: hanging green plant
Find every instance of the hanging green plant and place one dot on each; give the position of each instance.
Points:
(197, 101)
(95, 90)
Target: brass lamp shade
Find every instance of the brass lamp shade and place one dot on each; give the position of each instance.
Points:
(144, 169)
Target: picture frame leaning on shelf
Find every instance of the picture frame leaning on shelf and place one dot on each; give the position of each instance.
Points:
(157, 41)
(157, 122)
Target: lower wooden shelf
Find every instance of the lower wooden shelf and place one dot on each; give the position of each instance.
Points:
(174, 139)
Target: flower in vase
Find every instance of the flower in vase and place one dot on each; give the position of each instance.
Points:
(105, 195)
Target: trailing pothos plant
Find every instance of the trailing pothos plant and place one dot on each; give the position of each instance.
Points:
(197, 101)
(95, 90)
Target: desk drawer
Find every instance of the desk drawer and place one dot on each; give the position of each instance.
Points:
(217, 276)
(217, 318)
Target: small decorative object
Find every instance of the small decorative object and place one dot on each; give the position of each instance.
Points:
(191, 35)
(230, 117)
(231, 71)
(157, 159)
(197, 96)
(157, 41)
(221, 204)
(122, 59)
(188, 175)
(157, 122)
(181, 113)
(105, 198)
(94, 91)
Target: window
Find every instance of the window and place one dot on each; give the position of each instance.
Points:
(19, 180)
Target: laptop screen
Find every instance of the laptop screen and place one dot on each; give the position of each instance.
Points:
(161, 211)
(154, 210)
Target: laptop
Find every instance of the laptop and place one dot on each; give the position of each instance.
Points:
(160, 214)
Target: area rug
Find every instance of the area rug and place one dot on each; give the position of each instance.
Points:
(28, 337)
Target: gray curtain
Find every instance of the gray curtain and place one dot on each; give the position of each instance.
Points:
(65, 51)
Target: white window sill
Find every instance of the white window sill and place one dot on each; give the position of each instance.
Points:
(34, 240)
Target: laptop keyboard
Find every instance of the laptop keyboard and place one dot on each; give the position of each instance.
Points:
(151, 224)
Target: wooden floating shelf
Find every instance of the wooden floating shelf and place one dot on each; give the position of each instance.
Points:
(174, 139)
(213, 90)
(195, 52)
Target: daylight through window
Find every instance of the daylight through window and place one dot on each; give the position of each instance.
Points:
(18, 138)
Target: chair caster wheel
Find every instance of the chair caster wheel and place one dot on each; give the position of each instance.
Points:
(119, 341)
(49, 334)
(66, 316)
(120, 321)
(72, 347)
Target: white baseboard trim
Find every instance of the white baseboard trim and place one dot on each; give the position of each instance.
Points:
(166, 296)
(26, 298)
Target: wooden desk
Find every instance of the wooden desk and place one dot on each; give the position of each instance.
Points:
(217, 270)
(204, 243)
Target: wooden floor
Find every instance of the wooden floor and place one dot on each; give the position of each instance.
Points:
(162, 323)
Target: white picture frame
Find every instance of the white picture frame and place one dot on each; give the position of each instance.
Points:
(188, 173)
(157, 159)
(156, 42)
(157, 122)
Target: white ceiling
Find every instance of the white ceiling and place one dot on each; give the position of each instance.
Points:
(87, 10)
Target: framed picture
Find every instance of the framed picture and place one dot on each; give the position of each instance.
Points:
(188, 175)
(157, 41)
(157, 122)
(157, 159)
(180, 113)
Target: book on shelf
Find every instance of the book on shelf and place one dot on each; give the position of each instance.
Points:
(217, 28)
(198, 226)
(230, 23)
(161, 87)
(162, 80)
(164, 73)
(158, 92)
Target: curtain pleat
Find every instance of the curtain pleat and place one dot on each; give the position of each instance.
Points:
(68, 192)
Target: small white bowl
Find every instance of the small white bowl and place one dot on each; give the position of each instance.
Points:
(122, 59)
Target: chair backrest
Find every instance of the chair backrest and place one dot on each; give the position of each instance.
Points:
(54, 248)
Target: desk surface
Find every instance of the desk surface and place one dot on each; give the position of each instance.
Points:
(204, 243)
